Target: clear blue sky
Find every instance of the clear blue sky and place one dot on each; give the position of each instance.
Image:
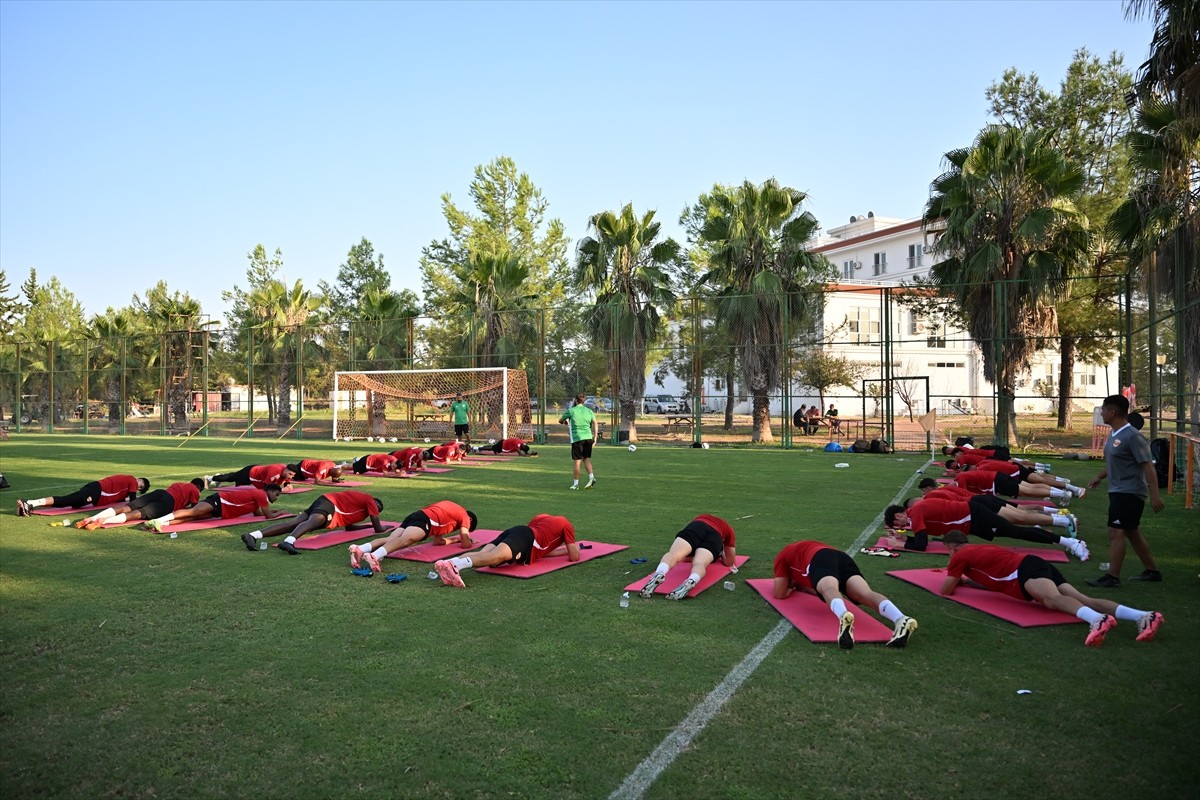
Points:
(147, 140)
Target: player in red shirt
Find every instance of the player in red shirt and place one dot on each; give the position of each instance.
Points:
(104, 492)
(372, 462)
(980, 481)
(543, 537)
(345, 509)
(1021, 473)
(259, 476)
(985, 516)
(705, 538)
(229, 504)
(147, 506)
(998, 569)
(816, 568)
(509, 446)
(440, 521)
(411, 459)
(316, 470)
(446, 453)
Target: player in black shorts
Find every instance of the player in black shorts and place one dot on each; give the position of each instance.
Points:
(705, 539)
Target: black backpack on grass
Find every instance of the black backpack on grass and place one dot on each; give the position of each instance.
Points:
(1160, 451)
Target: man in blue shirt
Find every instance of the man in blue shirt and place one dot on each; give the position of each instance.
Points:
(1131, 478)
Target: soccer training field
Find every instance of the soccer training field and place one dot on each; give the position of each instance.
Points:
(141, 666)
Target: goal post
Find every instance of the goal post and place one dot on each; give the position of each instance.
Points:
(414, 404)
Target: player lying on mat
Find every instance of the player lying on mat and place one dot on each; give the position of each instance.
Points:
(509, 446)
(1029, 578)
(317, 470)
(544, 536)
(344, 509)
(229, 504)
(106, 491)
(411, 459)
(148, 506)
(260, 476)
(982, 481)
(1021, 473)
(446, 453)
(705, 538)
(816, 568)
(372, 462)
(441, 521)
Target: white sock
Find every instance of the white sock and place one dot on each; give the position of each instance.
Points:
(1049, 510)
(1129, 614)
(837, 606)
(1071, 488)
(888, 609)
(1088, 615)
(103, 515)
(575, 482)
(1060, 494)
(117, 519)
(289, 539)
(166, 519)
(36, 503)
(462, 562)
(591, 476)
(380, 551)
(694, 577)
(662, 569)
(1065, 541)
(1061, 520)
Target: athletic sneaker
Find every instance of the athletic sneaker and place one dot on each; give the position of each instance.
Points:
(1080, 492)
(95, 525)
(647, 591)
(591, 482)
(680, 591)
(156, 525)
(574, 487)
(904, 629)
(1072, 525)
(289, 548)
(356, 553)
(449, 574)
(208, 482)
(250, 542)
(1149, 576)
(372, 561)
(22, 508)
(1099, 630)
(1079, 549)
(846, 630)
(82, 523)
(1147, 626)
(1105, 581)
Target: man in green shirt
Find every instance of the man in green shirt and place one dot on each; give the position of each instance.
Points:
(583, 434)
(462, 425)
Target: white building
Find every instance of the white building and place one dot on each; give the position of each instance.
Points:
(872, 252)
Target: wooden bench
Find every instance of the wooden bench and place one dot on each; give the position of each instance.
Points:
(677, 424)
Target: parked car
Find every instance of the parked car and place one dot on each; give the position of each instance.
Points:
(597, 403)
(660, 404)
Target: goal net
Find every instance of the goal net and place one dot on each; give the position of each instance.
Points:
(415, 404)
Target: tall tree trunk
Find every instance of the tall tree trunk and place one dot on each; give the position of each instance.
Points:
(1066, 373)
(283, 417)
(729, 393)
(762, 420)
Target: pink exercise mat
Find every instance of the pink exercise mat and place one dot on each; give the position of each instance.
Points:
(339, 536)
(292, 489)
(679, 573)
(936, 548)
(55, 511)
(373, 474)
(437, 470)
(1010, 609)
(429, 552)
(544, 565)
(330, 486)
(812, 616)
(205, 524)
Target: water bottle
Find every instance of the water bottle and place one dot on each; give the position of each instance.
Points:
(433, 576)
(174, 535)
(262, 544)
(625, 600)
(1104, 566)
(729, 586)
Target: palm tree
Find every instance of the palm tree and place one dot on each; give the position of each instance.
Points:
(382, 342)
(626, 266)
(113, 361)
(1011, 235)
(492, 297)
(766, 284)
(282, 313)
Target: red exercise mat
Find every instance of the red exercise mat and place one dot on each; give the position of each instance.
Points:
(429, 552)
(1010, 609)
(340, 536)
(55, 511)
(812, 617)
(205, 524)
(544, 565)
(936, 548)
(679, 573)
(292, 489)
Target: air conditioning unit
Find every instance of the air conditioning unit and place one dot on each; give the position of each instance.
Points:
(858, 265)
(927, 249)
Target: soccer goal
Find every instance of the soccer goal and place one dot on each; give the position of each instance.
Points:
(414, 404)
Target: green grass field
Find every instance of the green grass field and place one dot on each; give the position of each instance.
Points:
(140, 666)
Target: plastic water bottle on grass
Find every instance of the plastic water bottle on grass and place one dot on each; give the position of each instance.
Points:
(625, 600)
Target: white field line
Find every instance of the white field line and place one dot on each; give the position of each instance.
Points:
(646, 773)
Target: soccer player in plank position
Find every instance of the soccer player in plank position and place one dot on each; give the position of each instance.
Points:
(442, 520)
(372, 462)
(229, 504)
(507, 446)
(147, 506)
(316, 470)
(998, 569)
(544, 536)
(983, 481)
(411, 459)
(1132, 478)
(816, 568)
(106, 491)
(583, 433)
(705, 539)
(985, 516)
(344, 509)
(260, 476)
(447, 453)
(1021, 473)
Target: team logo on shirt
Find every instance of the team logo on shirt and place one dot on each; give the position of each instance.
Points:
(1116, 442)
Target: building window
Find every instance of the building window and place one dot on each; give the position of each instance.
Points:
(880, 263)
(848, 268)
(912, 323)
(914, 256)
(863, 324)
(948, 364)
